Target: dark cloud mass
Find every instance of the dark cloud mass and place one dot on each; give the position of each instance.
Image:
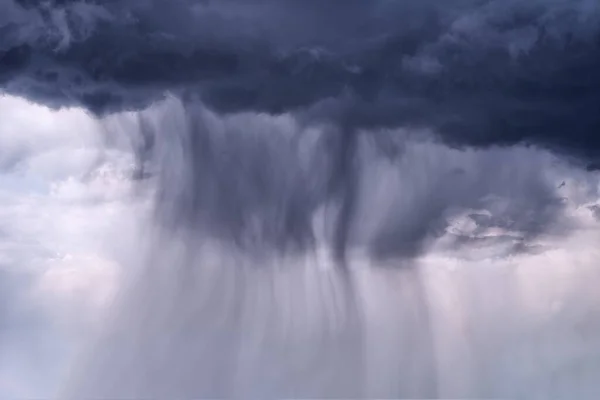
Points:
(479, 72)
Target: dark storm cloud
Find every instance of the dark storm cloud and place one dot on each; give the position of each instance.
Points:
(479, 72)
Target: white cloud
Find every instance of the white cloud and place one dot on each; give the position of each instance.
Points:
(64, 199)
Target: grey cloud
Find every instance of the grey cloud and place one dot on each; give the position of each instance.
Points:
(272, 183)
(479, 72)
(415, 197)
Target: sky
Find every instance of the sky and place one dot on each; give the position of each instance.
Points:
(299, 198)
(63, 196)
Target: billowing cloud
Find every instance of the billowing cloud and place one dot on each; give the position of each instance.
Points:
(480, 73)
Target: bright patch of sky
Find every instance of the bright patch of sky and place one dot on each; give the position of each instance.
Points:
(64, 198)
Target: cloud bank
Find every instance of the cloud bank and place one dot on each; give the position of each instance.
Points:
(476, 72)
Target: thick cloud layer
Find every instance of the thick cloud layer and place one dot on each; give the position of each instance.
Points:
(478, 72)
